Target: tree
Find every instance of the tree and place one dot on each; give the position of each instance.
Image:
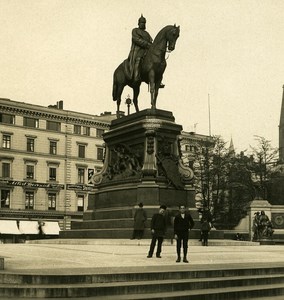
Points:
(225, 182)
(221, 158)
(240, 188)
(210, 171)
(265, 157)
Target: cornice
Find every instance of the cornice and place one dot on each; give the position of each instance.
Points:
(52, 116)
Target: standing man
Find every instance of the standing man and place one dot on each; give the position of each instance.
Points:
(182, 224)
(141, 41)
(205, 228)
(140, 217)
(158, 230)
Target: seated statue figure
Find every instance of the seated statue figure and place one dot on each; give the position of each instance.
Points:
(265, 226)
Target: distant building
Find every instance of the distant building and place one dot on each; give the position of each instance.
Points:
(275, 186)
(232, 152)
(47, 158)
(189, 142)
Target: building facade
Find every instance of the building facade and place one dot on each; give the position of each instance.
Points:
(190, 142)
(47, 158)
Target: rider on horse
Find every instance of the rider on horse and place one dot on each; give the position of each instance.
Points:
(141, 41)
(146, 63)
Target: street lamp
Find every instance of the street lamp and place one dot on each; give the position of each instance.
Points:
(128, 102)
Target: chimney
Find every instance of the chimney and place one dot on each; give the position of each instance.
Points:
(60, 104)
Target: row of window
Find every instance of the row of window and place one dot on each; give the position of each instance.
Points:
(6, 144)
(50, 125)
(30, 200)
(190, 148)
(30, 172)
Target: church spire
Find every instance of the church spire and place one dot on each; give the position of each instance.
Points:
(231, 148)
(282, 109)
(281, 130)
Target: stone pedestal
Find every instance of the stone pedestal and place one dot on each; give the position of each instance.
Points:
(142, 164)
(266, 242)
(258, 205)
(1, 263)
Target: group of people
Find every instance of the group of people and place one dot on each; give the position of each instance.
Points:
(183, 223)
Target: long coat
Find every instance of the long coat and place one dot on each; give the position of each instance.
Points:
(140, 217)
(159, 224)
(141, 40)
(183, 224)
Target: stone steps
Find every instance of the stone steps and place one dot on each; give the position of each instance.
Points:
(113, 223)
(228, 283)
(236, 293)
(143, 242)
(124, 233)
(117, 223)
(102, 224)
(128, 212)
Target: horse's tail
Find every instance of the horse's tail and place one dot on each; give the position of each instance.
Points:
(114, 87)
(120, 76)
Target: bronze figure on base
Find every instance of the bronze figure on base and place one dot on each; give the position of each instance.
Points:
(145, 63)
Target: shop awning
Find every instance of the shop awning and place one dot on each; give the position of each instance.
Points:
(29, 227)
(51, 228)
(9, 227)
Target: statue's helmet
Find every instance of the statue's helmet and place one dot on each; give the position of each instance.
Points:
(141, 20)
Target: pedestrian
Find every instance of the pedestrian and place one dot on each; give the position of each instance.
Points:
(140, 218)
(40, 229)
(239, 237)
(158, 230)
(183, 223)
(205, 228)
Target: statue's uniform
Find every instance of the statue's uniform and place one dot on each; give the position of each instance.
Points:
(141, 40)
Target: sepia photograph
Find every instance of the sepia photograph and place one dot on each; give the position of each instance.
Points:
(142, 149)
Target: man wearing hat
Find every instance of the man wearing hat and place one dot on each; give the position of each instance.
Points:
(140, 218)
(158, 230)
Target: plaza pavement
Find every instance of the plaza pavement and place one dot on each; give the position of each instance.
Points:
(110, 256)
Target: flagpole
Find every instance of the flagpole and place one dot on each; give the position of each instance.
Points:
(209, 115)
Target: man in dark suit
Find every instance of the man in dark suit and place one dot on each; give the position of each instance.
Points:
(158, 229)
(182, 224)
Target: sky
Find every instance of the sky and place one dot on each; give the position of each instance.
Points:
(229, 54)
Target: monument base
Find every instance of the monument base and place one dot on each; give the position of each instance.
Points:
(1, 263)
(266, 242)
(142, 164)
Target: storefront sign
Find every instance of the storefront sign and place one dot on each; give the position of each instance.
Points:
(32, 184)
(79, 187)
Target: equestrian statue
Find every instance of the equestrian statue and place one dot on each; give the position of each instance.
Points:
(146, 62)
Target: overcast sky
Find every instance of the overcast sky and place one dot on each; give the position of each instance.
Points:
(233, 50)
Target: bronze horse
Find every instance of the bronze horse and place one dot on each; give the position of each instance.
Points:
(152, 68)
